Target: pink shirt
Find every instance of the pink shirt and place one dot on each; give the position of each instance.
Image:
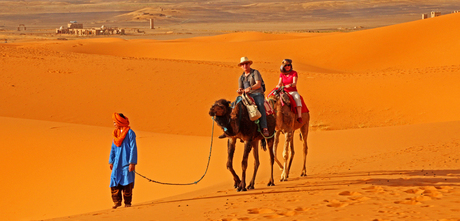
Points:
(288, 79)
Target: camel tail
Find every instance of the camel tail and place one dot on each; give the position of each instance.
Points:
(264, 144)
(301, 138)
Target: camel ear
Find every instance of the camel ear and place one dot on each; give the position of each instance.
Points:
(228, 103)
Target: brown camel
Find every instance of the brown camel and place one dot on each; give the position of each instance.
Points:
(286, 123)
(236, 125)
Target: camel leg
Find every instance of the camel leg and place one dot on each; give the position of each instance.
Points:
(291, 156)
(284, 174)
(255, 147)
(304, 131)
(270, 142)
(231, 151)
(244, 166)
(275, 147)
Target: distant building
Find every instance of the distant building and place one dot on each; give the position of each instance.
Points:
(435, 14)
(22, 26)
(152, 24)
(75, 25)
(74, 28)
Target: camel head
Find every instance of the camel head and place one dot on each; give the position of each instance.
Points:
(278, 94)
(220, 108)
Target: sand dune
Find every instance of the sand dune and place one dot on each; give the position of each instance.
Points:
(384, 141)
(331, 69)
(375, 170)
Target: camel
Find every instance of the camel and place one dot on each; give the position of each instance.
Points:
(236, 125)
(286, 123)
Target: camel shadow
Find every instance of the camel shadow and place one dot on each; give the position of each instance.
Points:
(335, 181)
(393, 178)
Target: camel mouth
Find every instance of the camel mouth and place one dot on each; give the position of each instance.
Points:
(217, 110)
(214, 111)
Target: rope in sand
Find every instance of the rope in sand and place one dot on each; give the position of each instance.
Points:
(207, 166)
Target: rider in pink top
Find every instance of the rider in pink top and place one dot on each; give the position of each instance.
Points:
(288, 79)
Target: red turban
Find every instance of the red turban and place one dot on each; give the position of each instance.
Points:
(120, 134)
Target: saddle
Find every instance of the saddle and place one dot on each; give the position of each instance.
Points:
(269, 110)
(291, 102)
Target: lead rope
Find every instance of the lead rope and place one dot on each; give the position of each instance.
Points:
(207, 166)
(260, 131)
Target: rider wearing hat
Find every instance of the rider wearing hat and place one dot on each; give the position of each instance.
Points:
(250, 82)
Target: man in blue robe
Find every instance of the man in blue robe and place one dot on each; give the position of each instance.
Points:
(123, 160)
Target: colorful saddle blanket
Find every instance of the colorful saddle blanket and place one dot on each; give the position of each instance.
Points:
(293, 106)
(268, 107)
(292, 101)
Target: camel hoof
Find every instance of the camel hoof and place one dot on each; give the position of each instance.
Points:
(271, 184)
(250, 187)
(241, 189)
(303, 174)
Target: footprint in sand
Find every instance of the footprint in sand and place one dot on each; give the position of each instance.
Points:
(359, 198)
(303, 209)
(260, 211)
(409, 202)
(374, 189)
(274, 216)
(289, 213)
(414, 191)
(428, 188)
(444, 189)
(432, 193)
(349, 193)
(235, 219)
(336, 204)
(420, 198)
(281, 214)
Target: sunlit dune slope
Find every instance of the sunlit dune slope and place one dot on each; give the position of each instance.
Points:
(422, 43)
(396, 75)
(56, 169)
(59, 170)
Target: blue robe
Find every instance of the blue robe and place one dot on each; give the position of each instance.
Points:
(121, 157)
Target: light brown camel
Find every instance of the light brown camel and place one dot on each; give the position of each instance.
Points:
(286, 123)
(236, 125)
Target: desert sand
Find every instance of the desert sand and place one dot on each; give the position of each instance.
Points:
(384, 135)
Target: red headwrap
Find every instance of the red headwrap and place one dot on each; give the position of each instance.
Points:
(123, 123)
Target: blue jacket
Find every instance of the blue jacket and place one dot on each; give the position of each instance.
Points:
(121, 157)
